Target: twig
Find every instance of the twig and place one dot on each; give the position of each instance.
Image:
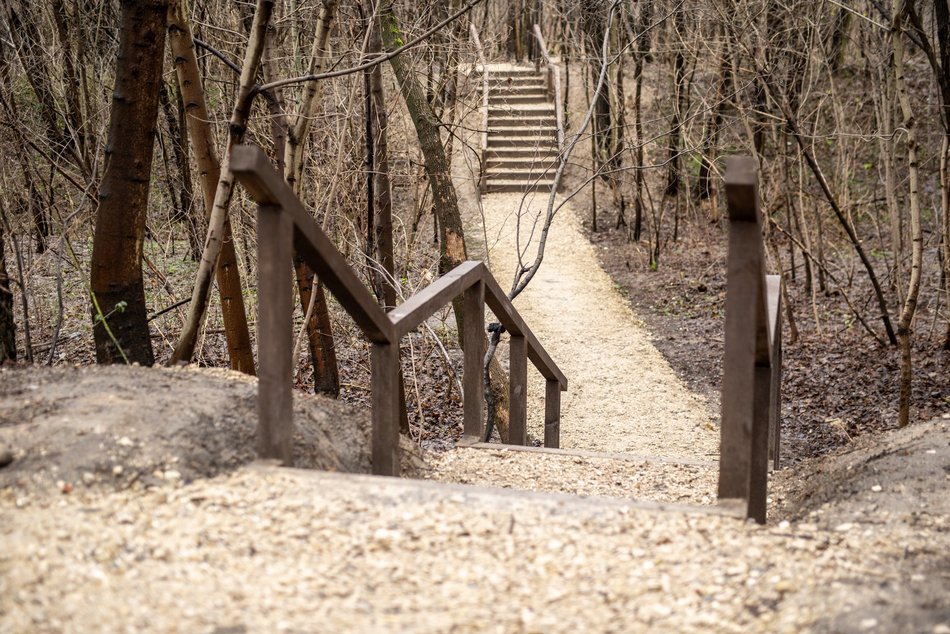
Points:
(376, 60)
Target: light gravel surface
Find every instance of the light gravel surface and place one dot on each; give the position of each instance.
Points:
(623, 396)
(271, 550)
(640, 478)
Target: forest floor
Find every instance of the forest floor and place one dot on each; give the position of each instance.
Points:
(201, 541)
(131, 503)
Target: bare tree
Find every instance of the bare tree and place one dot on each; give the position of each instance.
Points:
(118, 294)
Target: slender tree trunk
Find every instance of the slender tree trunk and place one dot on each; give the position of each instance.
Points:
(382, 190)
(184, 212)
(74, 114)
(942, 23)
(638, 131)
(7, 324)
(905, 321)
(242, 357)
(326, 375)
(118, 293)
(452, 251)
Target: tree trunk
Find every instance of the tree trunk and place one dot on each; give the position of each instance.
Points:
(178, 134)
(382, 191)
(942, 23)
(452, 250)
(905, 321)
(326, 375)
(7, 324)
(118, 293)
(218, 237)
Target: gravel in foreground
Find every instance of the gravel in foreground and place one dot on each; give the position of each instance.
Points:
(639, 478)
(273, 550)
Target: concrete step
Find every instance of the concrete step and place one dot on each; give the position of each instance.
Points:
(531, 119)
(526, 71)
(527, 162)
(519, 141)
(530, 155)
(514, 99)
(524, 175)
(521, 111)
(494, 185)
(532, 80)
(522, 130)
(526, 152)
(518, 91)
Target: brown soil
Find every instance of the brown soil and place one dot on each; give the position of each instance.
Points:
(118, 427)
(837, 385)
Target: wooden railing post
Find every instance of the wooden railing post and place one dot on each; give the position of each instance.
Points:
(275, 426)
(473, 346)
(385, 385)
(284, 222)
(518, 391)
(774, 288)
(747, 374)
(552, 414)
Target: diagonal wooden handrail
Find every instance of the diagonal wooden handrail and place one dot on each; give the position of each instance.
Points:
(752, 360)
(283, 221)
(268, 188)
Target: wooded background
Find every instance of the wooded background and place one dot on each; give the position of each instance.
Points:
(118, 208)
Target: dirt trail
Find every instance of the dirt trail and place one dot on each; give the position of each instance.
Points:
(623, 395)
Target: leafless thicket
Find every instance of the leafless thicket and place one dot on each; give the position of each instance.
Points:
(364, 105)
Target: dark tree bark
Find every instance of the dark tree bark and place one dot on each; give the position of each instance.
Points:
(177, 132)
(119, 312)
(326, 375)
(452, 251)
(7, 325)
(381, 190)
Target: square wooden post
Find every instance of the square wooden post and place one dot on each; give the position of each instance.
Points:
(746, 372)
(775, 411)
(518, 391)
(275, 427)
(385, 381)
(759, 447)
(552, 414)
(473, 345)
(738, 366)
(773, 284)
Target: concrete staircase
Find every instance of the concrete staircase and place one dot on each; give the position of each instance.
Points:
(522, 132)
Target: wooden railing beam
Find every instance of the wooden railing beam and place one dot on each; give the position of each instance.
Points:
(509, 317)
(266, 186)
(414, 311)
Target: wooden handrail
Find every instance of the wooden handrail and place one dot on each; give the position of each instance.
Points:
(283, 222)
(483, 157)
(553, 85)
(752, 360)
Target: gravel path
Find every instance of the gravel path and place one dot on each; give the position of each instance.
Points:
(275, 550)
(606, 475)
(623, 396)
